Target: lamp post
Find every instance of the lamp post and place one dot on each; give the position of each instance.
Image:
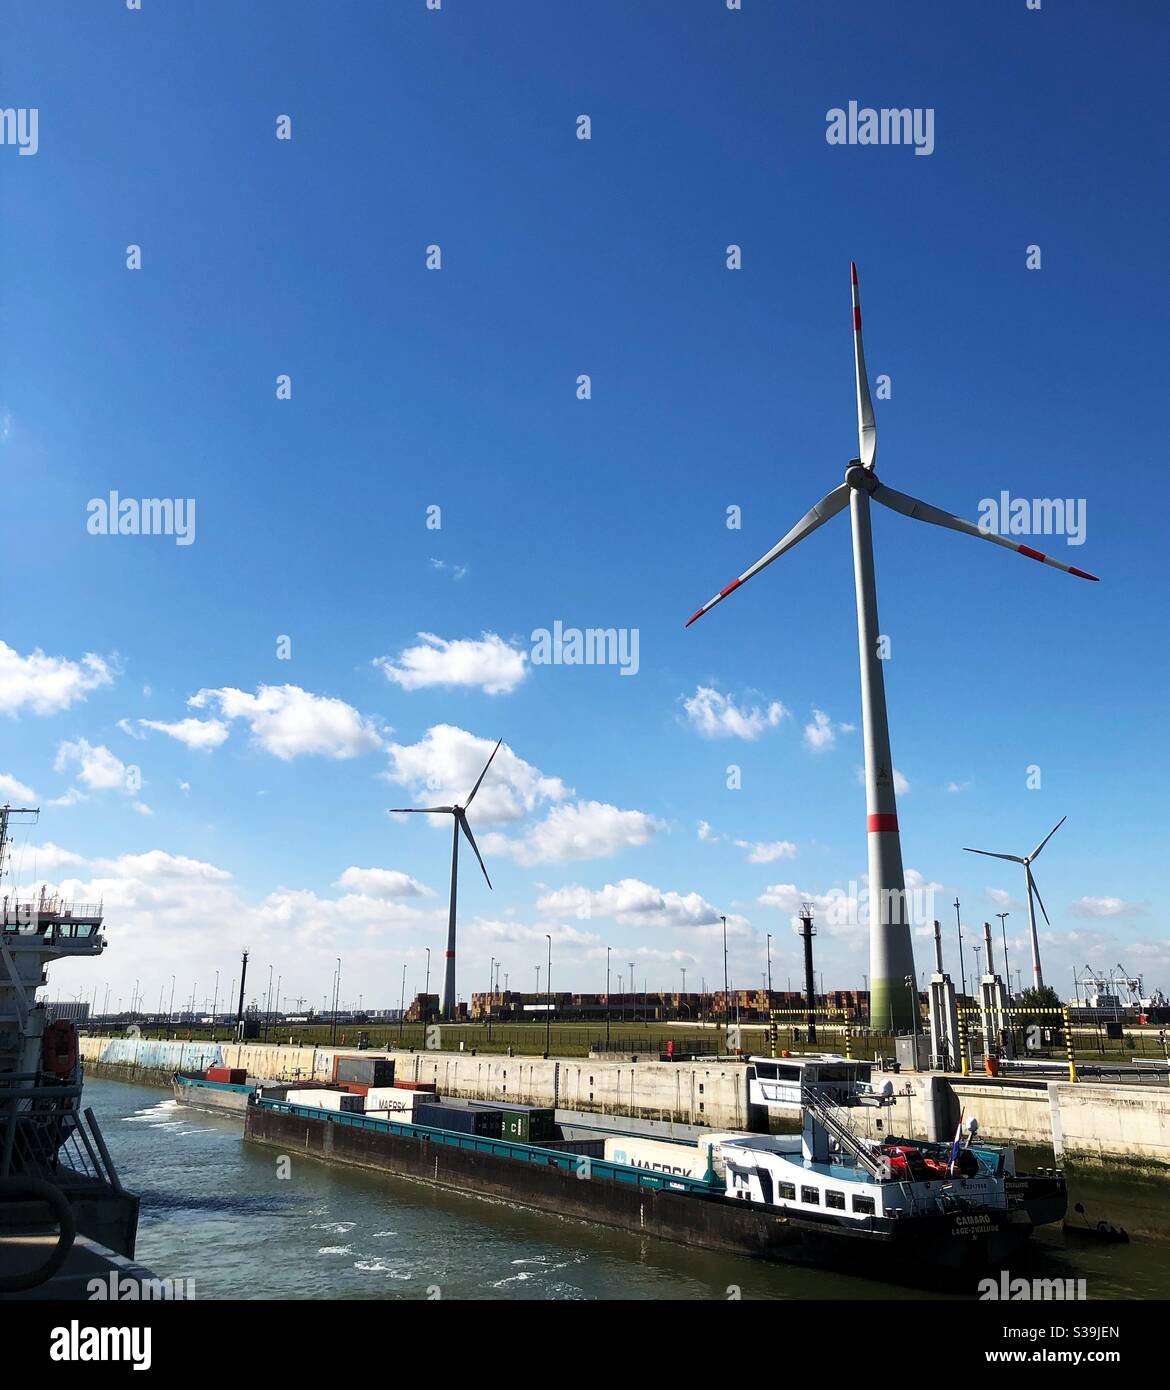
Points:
(402, 1003)
(548, 1011)
(608, 949)
(427, 986)
(1007, 974)
(633, 996)
(769, 949)
(726, 998)
(962, 968)
(491, 990)
(336, 995)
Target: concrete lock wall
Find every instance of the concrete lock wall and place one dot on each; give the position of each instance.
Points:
(712, 1094)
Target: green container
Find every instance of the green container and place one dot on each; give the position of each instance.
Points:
(527, 1126)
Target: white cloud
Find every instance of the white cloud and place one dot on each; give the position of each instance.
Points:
(456, 571)
(70, 798)
(13, 790)
(43, 859)
(195, 733)
(630, 902)
(562, 935)
(442, 767)
(821, 733)
(1005, 900)
(586, 830)
(1107, 907)
(382, 883)
(707, 835)
(47, 684)
(490, 665)
(957, 786)
(767, 852)
(715, 715)
(287, 721)
(98, 768)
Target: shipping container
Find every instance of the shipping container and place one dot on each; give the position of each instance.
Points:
(234, 1076)
(656, 1155)
(343, 1101)
(366, 1071)
(416, 1086)
(523, 1124)
(462, 1119)
(397, 1100)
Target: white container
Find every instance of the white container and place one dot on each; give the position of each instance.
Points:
(679, 1160)
(397, 1101)
(345, 1102)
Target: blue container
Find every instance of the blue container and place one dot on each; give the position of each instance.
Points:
(462, 1119)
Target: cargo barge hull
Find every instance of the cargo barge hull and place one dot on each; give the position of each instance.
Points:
(709, 1221)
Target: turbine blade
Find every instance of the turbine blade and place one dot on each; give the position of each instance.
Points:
(1032, 888)
(866, 428)
(482, 775)
(991, 854)
(418, 810)
(825, 509)
(923, 511)
(1047, 837)
(471, 841)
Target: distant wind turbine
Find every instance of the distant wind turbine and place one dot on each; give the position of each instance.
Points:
(892, 1001)
(459, 813)
(1032, 889)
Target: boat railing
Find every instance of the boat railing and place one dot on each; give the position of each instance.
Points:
(44, 1134)
(832, 1118)
(528, 1153)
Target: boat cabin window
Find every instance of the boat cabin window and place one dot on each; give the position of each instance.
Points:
(777, 1071)
(863, 1205)
(835, 1199)
(786, 1191)
(810, 1196)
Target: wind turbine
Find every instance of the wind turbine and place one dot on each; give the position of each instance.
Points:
(459, 815)
(890, 945)
(1032, 889)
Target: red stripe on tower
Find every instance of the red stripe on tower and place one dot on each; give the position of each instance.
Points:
(884, 820)
(449, 954)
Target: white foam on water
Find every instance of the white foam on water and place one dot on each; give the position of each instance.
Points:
(377, 1234)
(335, 1250)
(337, 1228)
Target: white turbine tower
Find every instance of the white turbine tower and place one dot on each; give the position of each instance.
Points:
(891, 951)
(459, 816)
(1026, 860)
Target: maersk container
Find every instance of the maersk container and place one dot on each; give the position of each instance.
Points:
(656, 1155)
(397, 1100)
(366, 1071)
(462, 1119)
(344, 1102)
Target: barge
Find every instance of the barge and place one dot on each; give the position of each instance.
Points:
(825, 1196)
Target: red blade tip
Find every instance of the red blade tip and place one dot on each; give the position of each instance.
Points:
(853, 270)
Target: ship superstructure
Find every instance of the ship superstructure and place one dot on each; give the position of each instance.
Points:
(45, 1135)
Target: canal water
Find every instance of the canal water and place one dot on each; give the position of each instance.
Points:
(216, 1212)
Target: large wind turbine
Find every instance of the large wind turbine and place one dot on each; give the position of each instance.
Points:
(1037, 973)
(459, 816)
(891, 951)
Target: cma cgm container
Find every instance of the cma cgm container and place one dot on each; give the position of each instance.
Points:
(523, 1124)
(343, 1101)
(366, 1071)
(460, 1118)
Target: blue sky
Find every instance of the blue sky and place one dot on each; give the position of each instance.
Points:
(457, 388)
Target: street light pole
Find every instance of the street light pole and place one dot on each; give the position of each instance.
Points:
(548, 1011)
(962, 968)
(726, 999)
(769, 947)
(608, 949)
(1006, 972)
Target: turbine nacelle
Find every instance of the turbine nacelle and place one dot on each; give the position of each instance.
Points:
(861, 478)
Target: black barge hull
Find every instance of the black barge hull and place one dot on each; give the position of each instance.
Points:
(713, 1222)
